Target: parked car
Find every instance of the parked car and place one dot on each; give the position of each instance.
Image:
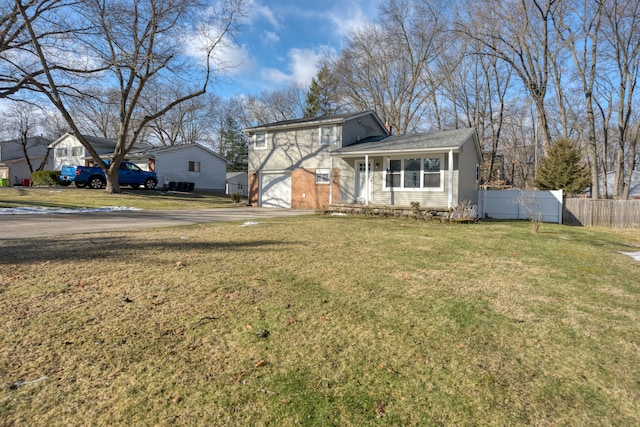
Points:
(93, 177)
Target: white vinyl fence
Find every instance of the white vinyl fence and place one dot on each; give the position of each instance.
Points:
(521, 204)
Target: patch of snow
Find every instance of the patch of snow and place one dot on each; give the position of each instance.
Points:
(250, 223)
(634, 255)
(338, 214)
(47, 210)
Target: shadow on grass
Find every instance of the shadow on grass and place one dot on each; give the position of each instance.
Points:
(105, 248)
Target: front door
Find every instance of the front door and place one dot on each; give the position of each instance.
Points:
(361, 182)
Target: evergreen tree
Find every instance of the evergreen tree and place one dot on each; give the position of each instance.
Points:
(321, 95)
(233, 145)
(562, 169)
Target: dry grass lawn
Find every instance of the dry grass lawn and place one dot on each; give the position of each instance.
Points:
(322, 321)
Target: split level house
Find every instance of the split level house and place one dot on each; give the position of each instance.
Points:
(353, 158)
(173, 164)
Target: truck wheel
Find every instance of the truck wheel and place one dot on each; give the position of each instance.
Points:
(96, 182)
(81, 184)
(150, 184)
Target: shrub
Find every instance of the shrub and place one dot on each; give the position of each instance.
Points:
(45, 178)
(235, 197)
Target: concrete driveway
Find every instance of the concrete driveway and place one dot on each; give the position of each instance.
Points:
(42, 225)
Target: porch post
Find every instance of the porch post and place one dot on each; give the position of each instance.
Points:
(366, 177)
(450, 180)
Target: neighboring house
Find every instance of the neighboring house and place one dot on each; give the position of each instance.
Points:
(352, 158)
(192, 163)
(189, 163)
(13, 164)
(238, 182)
(634, 190)
(68, 151)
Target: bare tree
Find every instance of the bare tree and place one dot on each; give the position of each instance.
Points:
(138, 43)
(22, 123)
(579, 32)
(518, 32)
(278, 105)
(187, 123)
(391, 66)
(622, 34)
(18, 66)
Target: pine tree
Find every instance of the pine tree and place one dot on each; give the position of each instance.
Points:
(562, 169)
(233, 145)
(321, 95)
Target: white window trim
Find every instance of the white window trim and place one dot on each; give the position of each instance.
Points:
(422, 157)
(326, 172)
(335, 134)
(255, 141)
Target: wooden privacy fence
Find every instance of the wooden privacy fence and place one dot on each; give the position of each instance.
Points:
(604, 213)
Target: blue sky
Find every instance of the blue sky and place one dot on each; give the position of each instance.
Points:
(281, 41)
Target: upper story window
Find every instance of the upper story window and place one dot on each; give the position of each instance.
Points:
(328, 135)
(77, 151)
(61, 152)
(260, 141)
(416, 173)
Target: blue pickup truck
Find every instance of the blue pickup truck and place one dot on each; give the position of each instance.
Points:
(93, 177)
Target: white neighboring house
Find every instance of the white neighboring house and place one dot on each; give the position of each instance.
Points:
(238, 182)
(68, 151)
(191, 163)
(634, 190)
(13, 164)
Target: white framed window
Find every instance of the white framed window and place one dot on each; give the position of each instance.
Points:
(260, 141)
(415, 173)
(194, 166)
(61, 152)
(322, 176)
(77, 151)
(328, 135)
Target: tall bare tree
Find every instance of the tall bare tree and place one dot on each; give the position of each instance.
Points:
(136, 44)
(579, 32)
(518, 32)
(391, 66)
(622, 34)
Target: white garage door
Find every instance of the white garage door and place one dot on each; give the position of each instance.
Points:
(276, 191)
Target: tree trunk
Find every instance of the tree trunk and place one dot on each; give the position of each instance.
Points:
(113, 185)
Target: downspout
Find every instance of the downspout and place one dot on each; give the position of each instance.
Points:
(450, 183)
(366, 177)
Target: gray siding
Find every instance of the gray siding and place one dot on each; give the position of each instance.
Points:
(173, 165)
(360, 128)
(288, 150)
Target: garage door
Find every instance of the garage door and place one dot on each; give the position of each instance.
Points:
(276, 191)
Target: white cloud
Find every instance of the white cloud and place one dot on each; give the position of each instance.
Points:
(301, 68)
(355, 17)
(257, 12)
(270, 37)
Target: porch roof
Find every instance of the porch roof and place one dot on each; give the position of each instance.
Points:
(411, 143)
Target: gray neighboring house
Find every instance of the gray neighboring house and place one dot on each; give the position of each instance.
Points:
(192, 163)
(353, 158)
(238, 182)
(634, 190)
(13, 164)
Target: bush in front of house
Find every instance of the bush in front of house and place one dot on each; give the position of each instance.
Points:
(45, 178)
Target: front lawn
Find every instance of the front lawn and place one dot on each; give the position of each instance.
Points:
(72, 198)
(322, 320)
